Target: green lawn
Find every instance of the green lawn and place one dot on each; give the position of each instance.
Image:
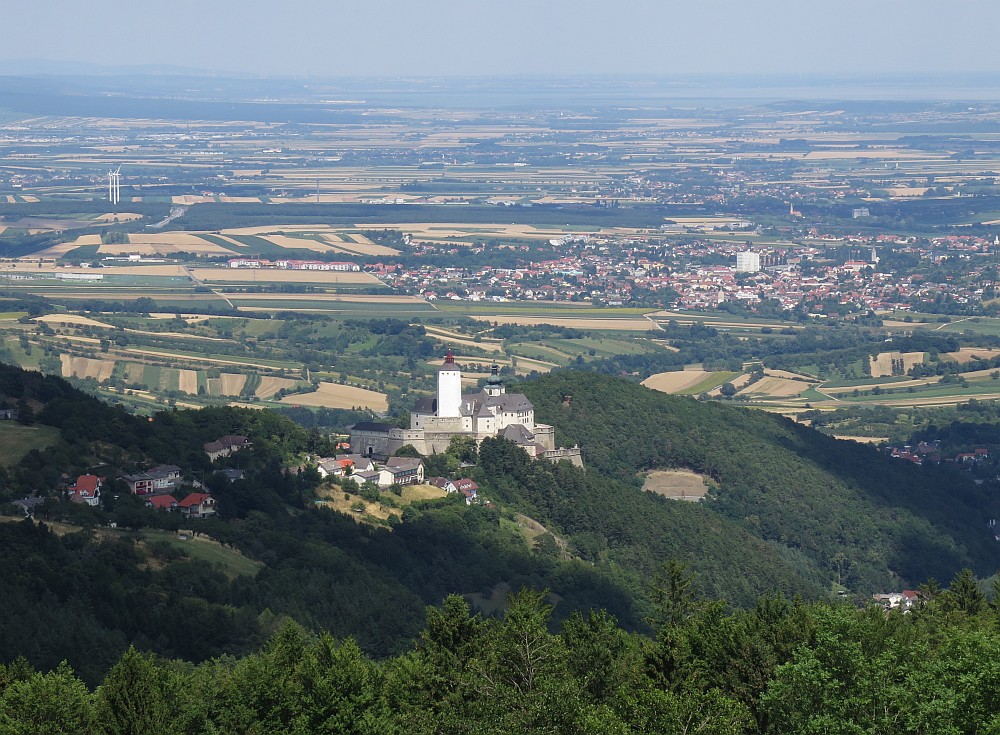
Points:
(16, 440)
(233, 563)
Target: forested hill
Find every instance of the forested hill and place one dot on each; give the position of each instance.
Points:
(834, 508)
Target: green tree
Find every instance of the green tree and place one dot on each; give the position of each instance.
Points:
(55, 703)
(134, 698)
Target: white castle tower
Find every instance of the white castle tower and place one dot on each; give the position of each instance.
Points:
(449, 398)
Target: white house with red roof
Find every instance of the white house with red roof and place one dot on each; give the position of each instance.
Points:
(86, 489)
(197, 505)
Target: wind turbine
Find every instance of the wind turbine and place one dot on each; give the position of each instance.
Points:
(114, 185)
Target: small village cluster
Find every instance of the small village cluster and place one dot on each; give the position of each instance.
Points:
(158, 485)
(393, 471)
(930, 453)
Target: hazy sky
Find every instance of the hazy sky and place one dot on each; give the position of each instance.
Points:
(458, 38)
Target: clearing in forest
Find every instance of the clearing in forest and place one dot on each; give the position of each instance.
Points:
(677, 484)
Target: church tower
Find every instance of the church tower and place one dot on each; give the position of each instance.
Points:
(494, 385)
(449, 397)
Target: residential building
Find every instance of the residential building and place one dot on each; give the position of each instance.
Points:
(197, 505)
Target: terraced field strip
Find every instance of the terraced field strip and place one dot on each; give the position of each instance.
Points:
(210, 359)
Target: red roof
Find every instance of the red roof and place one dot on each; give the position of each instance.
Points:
(87, 484)
(194, 499)
(162, 501)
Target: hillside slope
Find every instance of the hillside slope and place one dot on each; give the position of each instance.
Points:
(853, 513)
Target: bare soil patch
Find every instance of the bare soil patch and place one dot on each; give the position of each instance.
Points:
(677, 484)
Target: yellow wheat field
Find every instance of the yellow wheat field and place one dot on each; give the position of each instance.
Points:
(675, 381)
(881, 364)
(270, 385)
(334, 395)
(187, 381)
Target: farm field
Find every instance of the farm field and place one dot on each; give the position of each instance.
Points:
(775, 387)
(335, 395)
(272, 275)
(269, 385)
(894, 363)
(677, 381)
(968, 354)
(624, 324)
(83, 367)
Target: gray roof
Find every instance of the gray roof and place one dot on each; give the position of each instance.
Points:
(403, 463)
(425, 405)
(518, 433)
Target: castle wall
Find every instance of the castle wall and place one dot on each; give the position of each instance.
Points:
(546, 436)
(570, 454)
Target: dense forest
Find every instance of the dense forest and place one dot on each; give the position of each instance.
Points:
(831, 509)
(791, 512)
(778, 667)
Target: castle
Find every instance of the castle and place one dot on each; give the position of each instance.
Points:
(490, 412)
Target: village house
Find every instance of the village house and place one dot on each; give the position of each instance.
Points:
(28, 505)
(443, 483)
(401, 471)
(162, 502)
(157, 480)
(86, 489)
(225, 446)
(197, 505)
(904, 600)
(333, 467)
